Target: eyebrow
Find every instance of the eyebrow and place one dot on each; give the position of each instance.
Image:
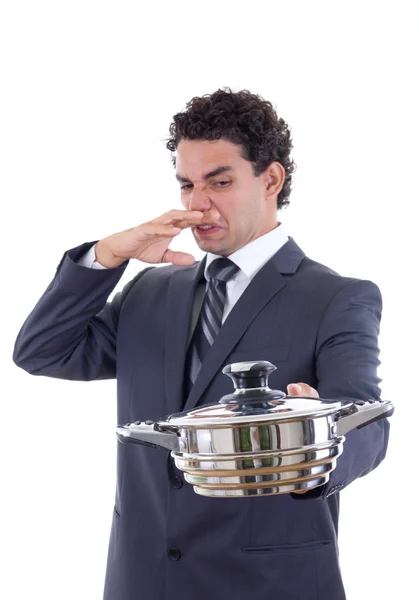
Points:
(207, 176)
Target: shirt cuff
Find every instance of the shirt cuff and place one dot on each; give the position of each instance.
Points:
(89, 260)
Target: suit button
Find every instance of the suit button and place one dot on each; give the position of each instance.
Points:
(174, 554)
(177, 482)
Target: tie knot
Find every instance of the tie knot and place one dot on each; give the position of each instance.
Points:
(222, 269)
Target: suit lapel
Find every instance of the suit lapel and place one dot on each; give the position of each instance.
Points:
(265, 285)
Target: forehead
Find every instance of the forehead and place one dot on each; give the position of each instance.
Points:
(195, 158)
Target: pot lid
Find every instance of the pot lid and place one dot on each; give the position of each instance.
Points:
(254, 401)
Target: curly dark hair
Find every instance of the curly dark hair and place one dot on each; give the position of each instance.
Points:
(244, 119)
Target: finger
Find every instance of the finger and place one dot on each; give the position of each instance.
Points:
(185, 223)
(178, 215)
(302, 389)
(156, 230)
(210, 217)
(181, 259)
(294, 389)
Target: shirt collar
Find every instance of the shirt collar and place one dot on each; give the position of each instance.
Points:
(252, 257)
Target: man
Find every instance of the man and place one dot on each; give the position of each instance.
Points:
(318, 328)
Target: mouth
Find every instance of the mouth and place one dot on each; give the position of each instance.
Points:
(204, 230)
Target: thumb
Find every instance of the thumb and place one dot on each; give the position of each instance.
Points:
(181, 259)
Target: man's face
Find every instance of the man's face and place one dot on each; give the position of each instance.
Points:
(243, 207)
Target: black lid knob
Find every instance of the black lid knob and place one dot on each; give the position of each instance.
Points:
(250, 374)
(250, 381)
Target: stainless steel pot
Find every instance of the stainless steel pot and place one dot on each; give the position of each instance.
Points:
(257, 441)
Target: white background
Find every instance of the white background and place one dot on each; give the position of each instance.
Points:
(88, 92)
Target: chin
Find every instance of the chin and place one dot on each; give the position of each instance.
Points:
(207, 246)
(214, 246)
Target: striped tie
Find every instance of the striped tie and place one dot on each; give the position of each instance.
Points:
(209, 323)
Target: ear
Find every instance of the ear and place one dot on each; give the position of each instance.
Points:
(274, 178)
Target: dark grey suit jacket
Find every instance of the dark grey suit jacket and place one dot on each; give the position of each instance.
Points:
(166, 541)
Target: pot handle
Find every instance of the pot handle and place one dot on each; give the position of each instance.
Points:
(361, 413)
(148, 433)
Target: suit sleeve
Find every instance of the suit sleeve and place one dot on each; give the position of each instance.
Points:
(71, 332)
(347, 359)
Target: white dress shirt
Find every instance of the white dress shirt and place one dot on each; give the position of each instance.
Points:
(250, 259)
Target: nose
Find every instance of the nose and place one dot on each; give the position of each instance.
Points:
(198, 200)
